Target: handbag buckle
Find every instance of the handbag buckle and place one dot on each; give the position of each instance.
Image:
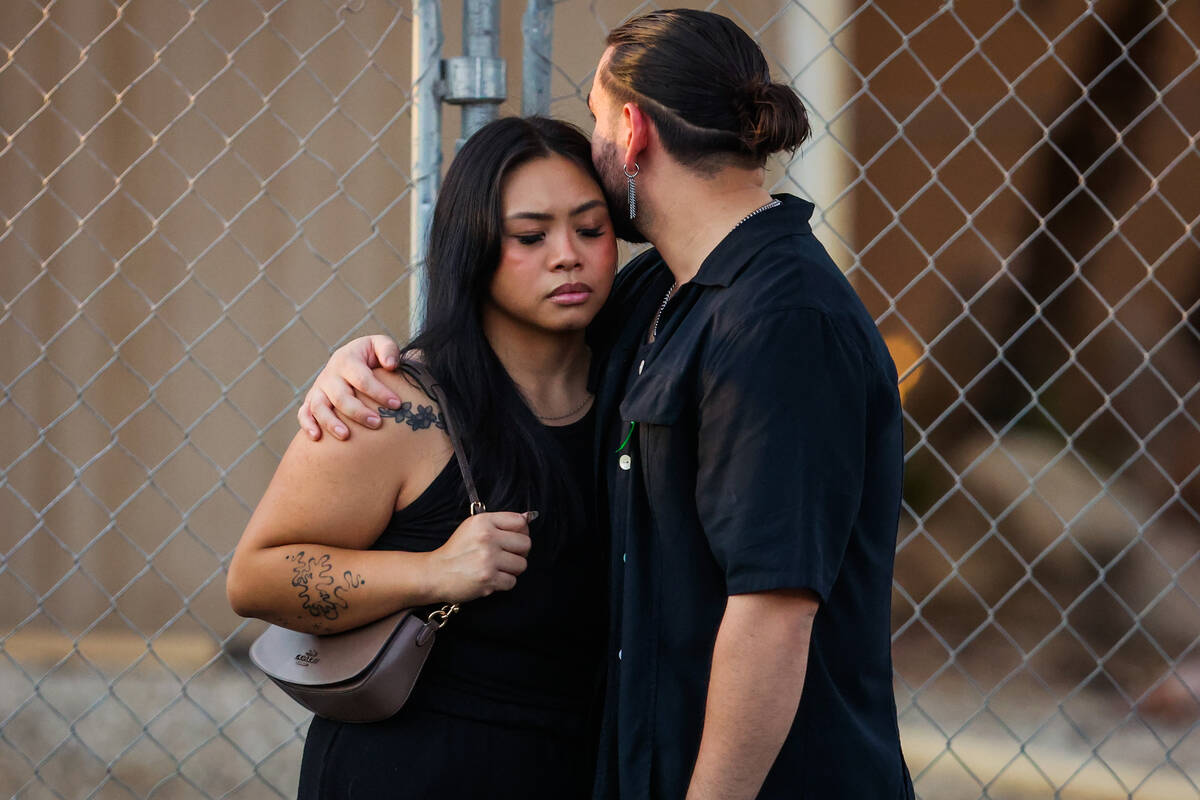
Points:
(442, 615)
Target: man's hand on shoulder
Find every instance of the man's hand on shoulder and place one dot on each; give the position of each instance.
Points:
(340, 388)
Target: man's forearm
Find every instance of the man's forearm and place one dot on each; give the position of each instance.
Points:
(758, 667)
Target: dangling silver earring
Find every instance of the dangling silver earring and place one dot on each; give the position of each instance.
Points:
(631, 189)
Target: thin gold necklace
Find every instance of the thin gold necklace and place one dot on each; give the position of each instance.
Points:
(587, 398)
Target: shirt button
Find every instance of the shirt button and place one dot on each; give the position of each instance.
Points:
(641, 366)
(625, 462)
(619, 654)
(622, 558)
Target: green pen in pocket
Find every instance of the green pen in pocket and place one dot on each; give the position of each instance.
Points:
(628, 436)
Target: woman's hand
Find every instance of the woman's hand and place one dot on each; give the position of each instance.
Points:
(345, 379)
(484, 555)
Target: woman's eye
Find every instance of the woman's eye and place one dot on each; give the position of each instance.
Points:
(592, 233)
(530, 238)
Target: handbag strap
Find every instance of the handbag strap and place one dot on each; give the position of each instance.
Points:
(430, 386)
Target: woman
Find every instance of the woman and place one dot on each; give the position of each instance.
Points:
(521, 258)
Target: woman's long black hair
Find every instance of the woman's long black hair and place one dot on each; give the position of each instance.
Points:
(514, 462)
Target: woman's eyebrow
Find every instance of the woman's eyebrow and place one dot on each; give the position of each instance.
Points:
(544, 216)
(588, 206)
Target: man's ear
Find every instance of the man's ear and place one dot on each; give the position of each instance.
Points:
(638, 134)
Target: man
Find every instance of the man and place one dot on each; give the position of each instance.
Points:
(751, 446)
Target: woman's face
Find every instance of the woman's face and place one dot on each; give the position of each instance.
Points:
(558, 256)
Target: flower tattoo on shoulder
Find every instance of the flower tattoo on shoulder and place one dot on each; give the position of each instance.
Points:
(424, 417)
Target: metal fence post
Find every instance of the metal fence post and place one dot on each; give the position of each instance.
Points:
(538, 28)
(426, 146)
(476, 80)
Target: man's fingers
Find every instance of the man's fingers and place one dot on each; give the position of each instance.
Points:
(367, 385)
(330, 422)
(319, 410)
(307, 423)
(348, 404)
(505, 581)
(387, 352)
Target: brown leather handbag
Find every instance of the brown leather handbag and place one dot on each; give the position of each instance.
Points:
(365, 674)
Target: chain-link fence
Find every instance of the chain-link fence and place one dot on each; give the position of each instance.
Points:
(202, 198)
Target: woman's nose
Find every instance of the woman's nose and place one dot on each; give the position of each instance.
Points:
(566, 256)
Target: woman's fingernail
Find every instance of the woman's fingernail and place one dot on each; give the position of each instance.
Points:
(340, 430)
(530, 516)
(372, 420)
(393, 402)
(390, 363)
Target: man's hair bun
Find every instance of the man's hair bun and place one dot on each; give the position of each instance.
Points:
(772, 118)
(778, 121)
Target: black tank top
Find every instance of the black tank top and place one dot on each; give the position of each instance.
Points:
(530, 656)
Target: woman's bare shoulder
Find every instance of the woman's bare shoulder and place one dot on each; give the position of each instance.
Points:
(418, 411)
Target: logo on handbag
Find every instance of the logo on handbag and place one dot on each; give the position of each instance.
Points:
(307, 657)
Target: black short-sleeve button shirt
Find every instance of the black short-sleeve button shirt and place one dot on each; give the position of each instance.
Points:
(754, 445)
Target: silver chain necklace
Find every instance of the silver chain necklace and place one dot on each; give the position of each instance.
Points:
(663, 307)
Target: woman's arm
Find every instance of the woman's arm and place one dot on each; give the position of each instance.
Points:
(302, 561)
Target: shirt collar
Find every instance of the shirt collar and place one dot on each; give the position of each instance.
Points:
(729, 257)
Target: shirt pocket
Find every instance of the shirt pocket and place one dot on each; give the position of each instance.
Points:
(656, 397)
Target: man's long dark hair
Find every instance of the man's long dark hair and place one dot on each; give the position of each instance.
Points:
(707, 87)
(511, 455)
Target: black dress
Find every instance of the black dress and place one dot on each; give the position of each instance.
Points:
(507, 704)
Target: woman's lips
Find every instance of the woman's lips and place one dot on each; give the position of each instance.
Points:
(571, 294)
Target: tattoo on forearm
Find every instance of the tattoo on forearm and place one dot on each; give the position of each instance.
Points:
(320, 593)
(421, 419)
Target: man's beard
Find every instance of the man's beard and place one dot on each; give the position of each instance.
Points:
(615, 186)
